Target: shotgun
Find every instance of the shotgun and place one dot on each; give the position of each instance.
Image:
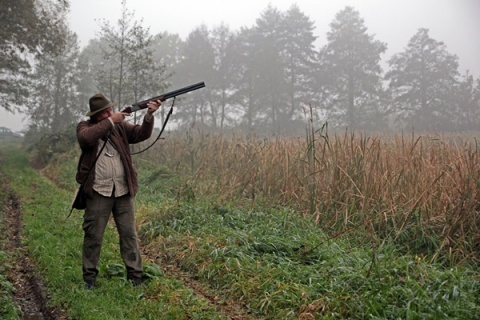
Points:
(172, 94)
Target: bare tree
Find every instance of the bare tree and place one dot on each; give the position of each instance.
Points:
(128, 72)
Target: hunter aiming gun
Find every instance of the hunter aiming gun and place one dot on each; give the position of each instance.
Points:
(143, 104)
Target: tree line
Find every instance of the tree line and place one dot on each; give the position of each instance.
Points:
(266, 78)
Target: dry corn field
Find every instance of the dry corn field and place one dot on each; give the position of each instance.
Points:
(407, 187)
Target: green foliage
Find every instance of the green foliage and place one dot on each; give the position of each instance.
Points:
(282, 266)
(156, 183)
(54, 108)
(8, 310)
(44, 148)
(26, 26)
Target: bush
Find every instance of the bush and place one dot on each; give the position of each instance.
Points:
(50, 145)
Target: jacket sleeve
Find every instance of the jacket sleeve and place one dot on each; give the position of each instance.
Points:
(88, 134)
(138, 133)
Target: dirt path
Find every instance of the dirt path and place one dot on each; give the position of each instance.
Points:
(231, 309)
(30, 294)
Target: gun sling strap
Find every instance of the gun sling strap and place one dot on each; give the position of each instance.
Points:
(91, 168)
(161, 130)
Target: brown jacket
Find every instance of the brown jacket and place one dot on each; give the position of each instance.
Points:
(89, 135)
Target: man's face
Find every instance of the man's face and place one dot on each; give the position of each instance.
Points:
(99, 116)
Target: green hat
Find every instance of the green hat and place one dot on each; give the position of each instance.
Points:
(98, 103)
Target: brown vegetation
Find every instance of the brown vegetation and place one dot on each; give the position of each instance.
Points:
(406, 187)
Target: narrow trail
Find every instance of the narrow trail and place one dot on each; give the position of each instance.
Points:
(233, 310)
(30, 293)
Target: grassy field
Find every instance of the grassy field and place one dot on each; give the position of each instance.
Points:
(326, 228)
(54, 243)
(420, 191)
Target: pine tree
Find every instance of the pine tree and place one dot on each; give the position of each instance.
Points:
(269, 41)
(422, 81)
(467, 103)
(272, 72)
(245, 77)
(300, 57)
(351, 69)
(197, 65)
(222, 83)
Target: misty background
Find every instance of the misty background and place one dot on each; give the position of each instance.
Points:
(362, 65)
(455, 22)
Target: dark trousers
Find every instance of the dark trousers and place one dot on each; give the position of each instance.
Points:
(95, 221)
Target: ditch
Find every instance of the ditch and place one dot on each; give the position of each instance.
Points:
(30, 294)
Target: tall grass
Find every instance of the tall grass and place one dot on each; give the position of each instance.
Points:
(419, 190)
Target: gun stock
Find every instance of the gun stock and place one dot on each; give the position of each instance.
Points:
(172, 94)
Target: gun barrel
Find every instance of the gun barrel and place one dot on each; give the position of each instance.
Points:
(181, 91)
(143, 104)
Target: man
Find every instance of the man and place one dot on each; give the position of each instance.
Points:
(110, 183)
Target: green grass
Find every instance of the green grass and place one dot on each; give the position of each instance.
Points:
(8, 310)
(54, 243)
(272, 261)
(284, 267)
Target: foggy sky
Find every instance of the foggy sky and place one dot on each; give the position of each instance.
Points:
(455, 22)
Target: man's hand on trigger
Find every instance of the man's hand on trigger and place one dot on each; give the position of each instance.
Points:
(118, 117)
